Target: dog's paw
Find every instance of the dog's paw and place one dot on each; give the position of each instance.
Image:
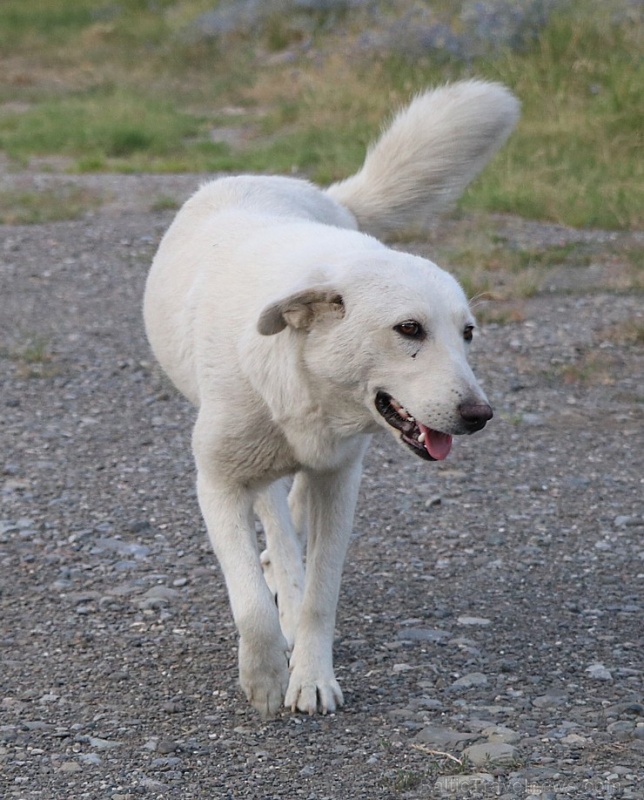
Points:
(312, 693)
(264, 675)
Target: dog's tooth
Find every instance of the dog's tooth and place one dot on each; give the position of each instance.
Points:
(422, 437)
(402, 413)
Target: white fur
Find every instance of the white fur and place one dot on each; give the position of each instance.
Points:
(276, 317)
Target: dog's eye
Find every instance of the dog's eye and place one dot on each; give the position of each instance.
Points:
(410, 329)
(468, 333)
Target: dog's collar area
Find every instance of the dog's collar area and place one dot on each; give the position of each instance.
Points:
(424, 442)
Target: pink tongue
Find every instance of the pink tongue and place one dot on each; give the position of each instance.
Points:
(437, 444)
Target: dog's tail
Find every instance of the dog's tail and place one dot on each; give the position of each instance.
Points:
(427, 156)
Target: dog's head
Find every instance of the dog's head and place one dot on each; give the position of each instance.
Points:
(388, 337)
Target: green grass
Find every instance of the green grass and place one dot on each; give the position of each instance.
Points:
(104, 122)
(33, 357)
(29, 206)
(125, 87)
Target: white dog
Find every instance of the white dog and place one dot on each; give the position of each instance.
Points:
(297, 337)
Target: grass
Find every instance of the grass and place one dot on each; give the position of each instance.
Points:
(33, 357)
(126, 87)
(489, 269)
(29, 206)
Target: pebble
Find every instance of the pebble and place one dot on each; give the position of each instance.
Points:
(599, 672)
(102, 744)
(622, 729)
(470, 680)
(492, 752)
(70, 766)
(423, 634)
(574, 740)
(442, 738)
(166, 763)
(167, 746)
(465, 620)
(90, 758)
(499, 733)
(121, 547)
(551, 699)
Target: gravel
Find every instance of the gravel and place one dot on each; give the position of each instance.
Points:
(489, 638)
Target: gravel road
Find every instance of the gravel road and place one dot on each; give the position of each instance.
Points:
(489, 639)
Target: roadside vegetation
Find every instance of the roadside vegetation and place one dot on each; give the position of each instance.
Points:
(175, 85)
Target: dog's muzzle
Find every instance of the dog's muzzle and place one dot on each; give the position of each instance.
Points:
(423, 441)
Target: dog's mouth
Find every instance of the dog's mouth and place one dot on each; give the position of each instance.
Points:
(427, 443)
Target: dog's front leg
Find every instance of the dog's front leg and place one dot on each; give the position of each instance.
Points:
(331, 506)
(263, 651)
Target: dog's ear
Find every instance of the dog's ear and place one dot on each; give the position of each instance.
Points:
(300, 310)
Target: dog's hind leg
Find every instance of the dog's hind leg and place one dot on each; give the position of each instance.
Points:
(298, 503)
(282, 560)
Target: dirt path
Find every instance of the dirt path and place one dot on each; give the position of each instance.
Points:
(494, 599)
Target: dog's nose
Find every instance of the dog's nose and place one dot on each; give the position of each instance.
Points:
(475, 415)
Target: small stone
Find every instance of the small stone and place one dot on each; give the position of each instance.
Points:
(470, 680)
(162, 593)
(499, 733)
(465, 620)
(423, 634)
(457, 784)
(622, 729)
(490, 753)
(102, 744)
(172, 706)
(599, 672)
(70, 766)
(574, 740)
(136, 526)
(167, 746)
(441, 738)
(631, 707)
(166, 763)
(552, 699)
(124, 548)
(90, 758)
(307, 771)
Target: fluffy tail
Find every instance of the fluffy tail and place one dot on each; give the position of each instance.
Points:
(427, 156)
